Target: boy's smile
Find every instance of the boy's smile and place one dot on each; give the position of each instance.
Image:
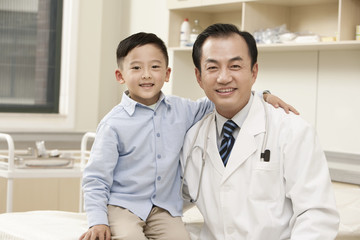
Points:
(144, 72)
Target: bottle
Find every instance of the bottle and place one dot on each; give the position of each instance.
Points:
(185, 33)
(195, 31)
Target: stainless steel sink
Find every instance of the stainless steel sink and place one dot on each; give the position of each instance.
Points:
(43, 162)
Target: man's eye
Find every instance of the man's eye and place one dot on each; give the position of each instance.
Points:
(211, 68)
(235, 66)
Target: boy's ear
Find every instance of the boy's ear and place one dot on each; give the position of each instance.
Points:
(119, 76)
(167, 76)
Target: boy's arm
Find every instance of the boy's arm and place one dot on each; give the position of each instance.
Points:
(98, 175)
(101, 232)
(203, 106)
(277, 102)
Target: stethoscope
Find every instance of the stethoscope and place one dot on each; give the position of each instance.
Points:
(264, 156)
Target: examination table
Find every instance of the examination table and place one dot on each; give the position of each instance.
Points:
(57, 225)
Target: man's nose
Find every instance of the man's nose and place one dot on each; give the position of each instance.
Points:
(224, 77)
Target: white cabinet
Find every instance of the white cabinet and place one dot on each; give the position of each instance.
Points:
(321, 80)
(291, 75)
(339, 100)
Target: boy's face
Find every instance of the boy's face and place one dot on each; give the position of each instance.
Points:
(226, 76)
(144, 72)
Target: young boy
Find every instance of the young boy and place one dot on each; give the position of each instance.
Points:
(131, 183)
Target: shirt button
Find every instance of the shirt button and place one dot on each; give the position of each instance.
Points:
(158, 178)
(158, 156)
(154, 113)
(158, 134)
(154, 196)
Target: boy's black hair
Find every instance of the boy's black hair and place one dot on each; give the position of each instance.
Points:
(223, 30)
(137, 40)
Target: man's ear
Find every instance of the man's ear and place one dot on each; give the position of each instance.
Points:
(198, 77)
(255, 71)
(119, 76)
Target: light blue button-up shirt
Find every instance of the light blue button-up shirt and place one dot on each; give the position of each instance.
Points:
(134, 161)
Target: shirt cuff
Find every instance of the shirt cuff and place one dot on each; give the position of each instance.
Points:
(97, 218)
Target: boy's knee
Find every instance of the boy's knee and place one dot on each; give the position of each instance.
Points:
(128, 234)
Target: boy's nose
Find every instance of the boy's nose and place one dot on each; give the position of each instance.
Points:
(146, 75)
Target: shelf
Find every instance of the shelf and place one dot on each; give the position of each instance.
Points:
(216, 5)
(326, 18)
(343, 45)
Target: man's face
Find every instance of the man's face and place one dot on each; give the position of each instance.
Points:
(226, 74)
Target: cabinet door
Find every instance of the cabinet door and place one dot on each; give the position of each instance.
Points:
(339, 101)
(174, 4)
(292, 76)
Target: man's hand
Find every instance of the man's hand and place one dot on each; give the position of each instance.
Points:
(277, 102)
(97, 232)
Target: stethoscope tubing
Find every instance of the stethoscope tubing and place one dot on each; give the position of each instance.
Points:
(204, 151)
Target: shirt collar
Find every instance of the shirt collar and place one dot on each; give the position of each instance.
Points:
(130, 104)
(239, 118)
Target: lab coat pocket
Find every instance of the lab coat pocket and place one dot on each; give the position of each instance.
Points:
(265, 181)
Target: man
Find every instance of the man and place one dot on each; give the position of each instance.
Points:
(244, 191)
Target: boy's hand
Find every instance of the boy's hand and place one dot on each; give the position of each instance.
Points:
(97, 232)
(277, 102)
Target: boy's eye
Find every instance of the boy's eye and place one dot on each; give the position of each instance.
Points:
(135, 67)
(156, 66)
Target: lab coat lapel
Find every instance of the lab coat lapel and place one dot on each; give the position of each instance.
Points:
(213, 151)
(245, 144)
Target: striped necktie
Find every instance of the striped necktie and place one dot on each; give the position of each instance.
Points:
(228, 141)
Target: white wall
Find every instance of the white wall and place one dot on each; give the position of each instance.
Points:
(102, 24)
(100, 29)
(148, 16)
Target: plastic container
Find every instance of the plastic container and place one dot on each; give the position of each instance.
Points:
(185, 33)
(195, 31)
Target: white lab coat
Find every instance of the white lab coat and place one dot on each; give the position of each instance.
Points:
(289, 197)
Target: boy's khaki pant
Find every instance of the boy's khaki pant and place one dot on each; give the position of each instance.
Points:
(159, 225)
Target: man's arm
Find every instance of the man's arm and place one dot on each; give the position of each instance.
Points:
(308, 184)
